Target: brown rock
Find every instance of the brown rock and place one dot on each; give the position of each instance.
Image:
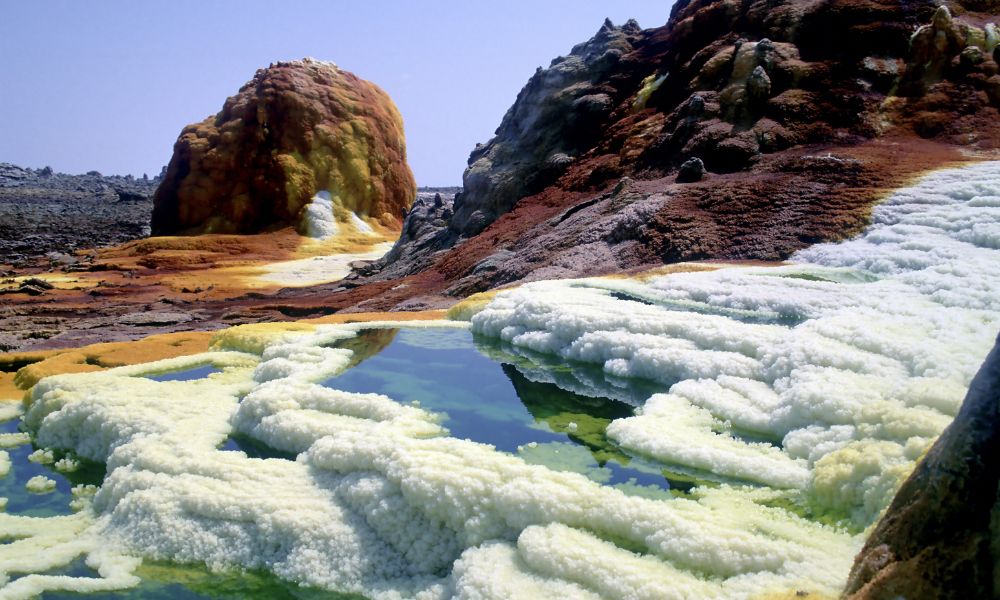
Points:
(295, 129)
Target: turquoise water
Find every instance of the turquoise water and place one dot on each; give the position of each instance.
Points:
(489, 395)
(21, 501)
(186, 374)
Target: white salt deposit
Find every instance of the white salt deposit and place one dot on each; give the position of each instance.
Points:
(379, 501)
(42, 456)
(853, 359)
(318, 269)
(360, 224)
(38, 545)
(40, 484)
(318, 220)
(66, 465)
(12, 440)
(9, 410)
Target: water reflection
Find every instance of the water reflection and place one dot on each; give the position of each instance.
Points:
(546, 411)
(200, 372)
(366, 344)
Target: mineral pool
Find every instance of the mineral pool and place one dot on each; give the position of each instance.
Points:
(492, 393)
(722, 433)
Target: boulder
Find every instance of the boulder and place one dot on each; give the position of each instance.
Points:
(693, 169)
(296, 129)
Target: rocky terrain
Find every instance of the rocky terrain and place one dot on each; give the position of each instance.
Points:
(792, 120)
(733, 132)
(297, 128)
(43, 212)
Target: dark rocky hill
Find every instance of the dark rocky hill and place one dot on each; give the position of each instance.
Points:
(792, 117)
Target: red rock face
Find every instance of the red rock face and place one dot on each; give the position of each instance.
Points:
(295, 129)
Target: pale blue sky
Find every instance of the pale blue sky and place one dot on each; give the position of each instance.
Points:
(108, 85)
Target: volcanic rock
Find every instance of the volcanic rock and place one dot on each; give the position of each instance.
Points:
(42, 211)
(297, 128)
(559, 112)
(760, 94)
(691, 170)
(425, 225)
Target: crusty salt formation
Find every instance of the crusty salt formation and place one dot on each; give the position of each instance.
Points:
(853, 360)
(379, 501)
(844, 367)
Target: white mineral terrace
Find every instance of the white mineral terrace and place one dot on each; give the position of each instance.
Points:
(850, 361)
(317, 269)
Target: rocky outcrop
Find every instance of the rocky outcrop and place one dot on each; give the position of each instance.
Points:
(295, 129)
(801, 113)
(559, 114)
(940, 538)
(423, 227)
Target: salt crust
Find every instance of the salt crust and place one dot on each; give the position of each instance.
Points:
(40, 484)
(319, 218)
(12, 440)
(379, 502)
(318, 269)
(42, 456)
(10, 410)
(854, 359)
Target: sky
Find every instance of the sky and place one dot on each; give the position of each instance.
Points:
(108, 85)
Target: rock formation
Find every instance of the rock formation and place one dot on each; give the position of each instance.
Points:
(295, 129)
(801, 113)
(558, 114)
(940, 538)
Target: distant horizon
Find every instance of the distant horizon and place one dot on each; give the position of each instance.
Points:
(112, 84)
(152, 177)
